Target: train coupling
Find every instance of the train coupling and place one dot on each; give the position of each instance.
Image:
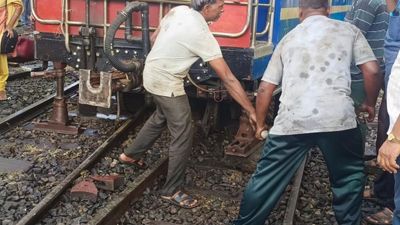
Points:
(245, 141)
(96, 89)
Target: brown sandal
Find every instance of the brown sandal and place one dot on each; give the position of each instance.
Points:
(182, 200)
(139, 163)
(383, 217)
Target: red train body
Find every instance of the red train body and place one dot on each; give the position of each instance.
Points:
(235, 21)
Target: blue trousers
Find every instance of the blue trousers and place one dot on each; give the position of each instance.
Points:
(25, 17)
(281, 157)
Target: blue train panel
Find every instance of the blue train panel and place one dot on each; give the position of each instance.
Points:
(285, 18)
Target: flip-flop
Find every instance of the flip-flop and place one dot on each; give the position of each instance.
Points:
(182, 200)
(139, 163)
(383, 217)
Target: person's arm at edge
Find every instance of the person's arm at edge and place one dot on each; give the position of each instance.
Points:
(14, 19)
(389, 152)
(372, 85)
(264, 98)
(233, 86)
(391, 5)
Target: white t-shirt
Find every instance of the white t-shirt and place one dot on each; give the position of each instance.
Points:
(393, 93)
(184, 37)
(312, 64)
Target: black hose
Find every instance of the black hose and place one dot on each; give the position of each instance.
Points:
(130, 66)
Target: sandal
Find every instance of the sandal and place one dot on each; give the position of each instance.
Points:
(383, 217)
(139, 163)
(182, 200)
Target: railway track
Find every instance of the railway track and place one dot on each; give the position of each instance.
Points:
(42, 149)
(49, 200)
(32, 111)
(217, 180)
(23, 90)
(218, 183)
(218, 191)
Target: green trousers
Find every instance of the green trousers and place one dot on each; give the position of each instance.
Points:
(282, 156)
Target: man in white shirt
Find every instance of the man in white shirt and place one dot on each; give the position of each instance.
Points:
(181, 39)
(388, 156)
(312, 65)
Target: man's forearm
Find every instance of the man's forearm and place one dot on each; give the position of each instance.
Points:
(391, 5)
(15, 16)
(372, 81)
(237, 92)
(264, 98)
(372, 86)
(233, 86)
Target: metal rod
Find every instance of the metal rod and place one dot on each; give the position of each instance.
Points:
(87, 16)
(267, 25)
(294, 194)
(271, 25)
(145, 30)
(255, 19)
(60, 75)
(43, 21)
(105, 6)
(249, 15)
(65, 12)
(128, 25)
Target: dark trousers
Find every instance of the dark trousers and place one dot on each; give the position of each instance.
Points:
(396, 213)
(174, 113)
(384, 183)
(282, 155)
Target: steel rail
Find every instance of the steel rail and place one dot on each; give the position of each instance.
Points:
(294, 194)
(32, 111)
(51, 197)
(271, 20)
(111, 214)
(20, 75)
(271, 8)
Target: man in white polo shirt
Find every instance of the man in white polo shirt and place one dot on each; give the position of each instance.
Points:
(181, 39)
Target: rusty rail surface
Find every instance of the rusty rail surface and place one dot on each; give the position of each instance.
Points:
(19, 75)
(50, 198)
(294, 194)
(112, 213)
(32, 111)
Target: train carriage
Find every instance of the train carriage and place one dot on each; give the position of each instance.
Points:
(108, 40)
